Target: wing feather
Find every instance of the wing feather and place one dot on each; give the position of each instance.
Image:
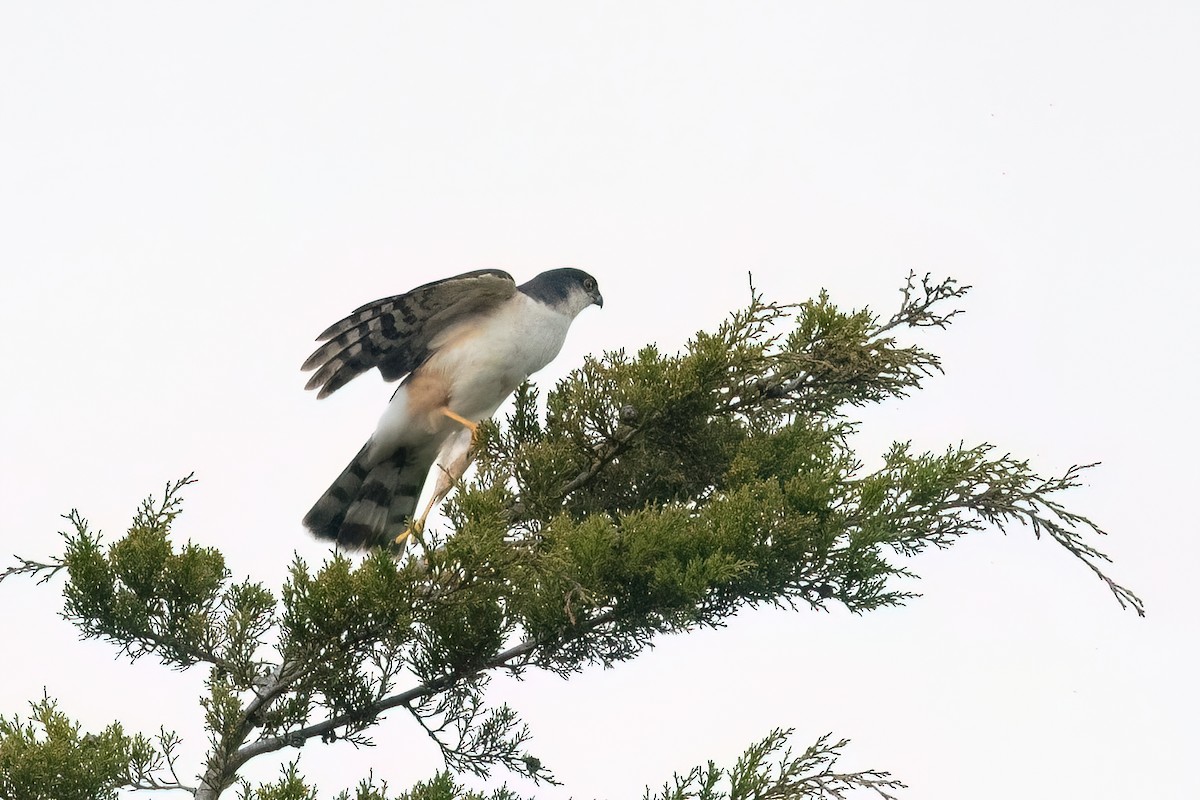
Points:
(395, 333)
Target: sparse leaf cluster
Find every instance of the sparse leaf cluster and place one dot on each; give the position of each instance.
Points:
(657, 493)
(770, 769)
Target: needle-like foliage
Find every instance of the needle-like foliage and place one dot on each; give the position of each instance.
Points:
(652, 493)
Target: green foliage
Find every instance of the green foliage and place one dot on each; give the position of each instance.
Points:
(147, 597)
(342, 619)
(770, 769)
(658, 493)
(47, 758)
(291, 786)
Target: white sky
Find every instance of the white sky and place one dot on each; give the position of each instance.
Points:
(188, 194)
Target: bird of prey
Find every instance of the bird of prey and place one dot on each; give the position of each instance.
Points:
(462, 346)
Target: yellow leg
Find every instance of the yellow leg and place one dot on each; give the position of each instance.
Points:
(474, 426)
(419, 522)
(417, 525)
(453, 462)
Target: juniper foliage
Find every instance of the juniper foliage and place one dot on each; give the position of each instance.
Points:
(657, 493)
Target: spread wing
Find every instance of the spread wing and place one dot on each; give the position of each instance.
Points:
(394, 334)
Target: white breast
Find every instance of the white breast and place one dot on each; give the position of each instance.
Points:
(484, 363)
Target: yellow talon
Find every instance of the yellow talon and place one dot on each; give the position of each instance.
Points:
(414, 530)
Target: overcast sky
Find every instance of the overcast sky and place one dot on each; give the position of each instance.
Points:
(190, 193)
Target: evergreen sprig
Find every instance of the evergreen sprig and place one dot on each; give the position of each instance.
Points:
(654, 493)
(770, 769)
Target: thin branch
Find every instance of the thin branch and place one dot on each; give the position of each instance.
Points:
(1012, 493)
(27, 567)
(504, 660)
(618, 444)
(150, 783)
(146, 642)
(1061, 525)
(143, 772)
(916, 313)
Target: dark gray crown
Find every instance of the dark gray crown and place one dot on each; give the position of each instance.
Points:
(554, 286)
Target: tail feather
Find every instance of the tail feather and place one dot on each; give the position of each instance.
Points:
(369, 504)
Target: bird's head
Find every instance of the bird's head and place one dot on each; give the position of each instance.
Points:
(567, 289)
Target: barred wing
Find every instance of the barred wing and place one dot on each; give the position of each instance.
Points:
(394, 333)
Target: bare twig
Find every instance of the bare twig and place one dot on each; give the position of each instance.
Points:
(26, 566)
(915, 312)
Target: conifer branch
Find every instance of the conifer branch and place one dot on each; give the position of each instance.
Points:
(25, 566)
(917, 311)
(222, 772)
(662, 493)
(769, 769)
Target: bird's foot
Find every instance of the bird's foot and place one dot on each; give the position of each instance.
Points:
(414, 530)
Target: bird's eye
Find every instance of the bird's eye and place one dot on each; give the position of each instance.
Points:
(589, 284)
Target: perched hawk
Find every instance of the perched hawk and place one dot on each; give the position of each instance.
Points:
(465, 344)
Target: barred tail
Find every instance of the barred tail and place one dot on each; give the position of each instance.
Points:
(369, 504)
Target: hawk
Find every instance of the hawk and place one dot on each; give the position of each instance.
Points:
(462, 346)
